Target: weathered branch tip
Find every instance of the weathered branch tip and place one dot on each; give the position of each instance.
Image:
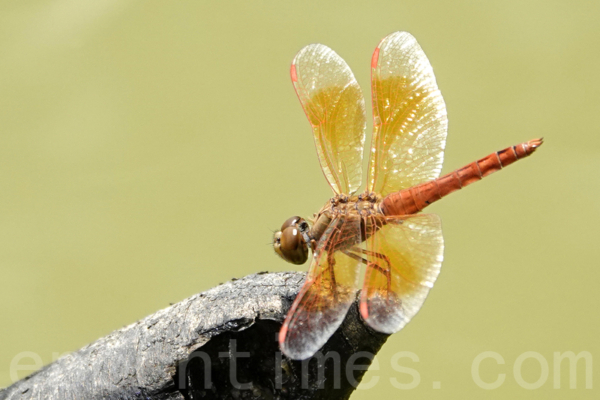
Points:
(218, 344)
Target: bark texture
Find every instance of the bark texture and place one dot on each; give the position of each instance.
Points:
(220, 344)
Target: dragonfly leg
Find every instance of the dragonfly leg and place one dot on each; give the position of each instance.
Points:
(377, 255)
(355, 256)
(376, 266)
(330, 267)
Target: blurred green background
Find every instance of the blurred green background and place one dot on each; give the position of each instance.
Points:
(147, 148)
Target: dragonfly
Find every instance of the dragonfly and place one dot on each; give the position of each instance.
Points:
(382, 228)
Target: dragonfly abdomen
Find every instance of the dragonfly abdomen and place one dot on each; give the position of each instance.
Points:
(414, 199)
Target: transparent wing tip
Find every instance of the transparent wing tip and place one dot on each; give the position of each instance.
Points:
(297, 348)
(297, 353)
(398, 36)
(384, 313)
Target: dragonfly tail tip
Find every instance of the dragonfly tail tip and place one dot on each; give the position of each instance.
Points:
(535, 143)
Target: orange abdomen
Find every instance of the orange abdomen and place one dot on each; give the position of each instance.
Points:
(416, 198)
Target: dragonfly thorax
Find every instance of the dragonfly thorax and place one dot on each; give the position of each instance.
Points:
(296, 236)
(364, 205)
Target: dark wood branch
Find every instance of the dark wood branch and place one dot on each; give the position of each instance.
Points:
(219, 344)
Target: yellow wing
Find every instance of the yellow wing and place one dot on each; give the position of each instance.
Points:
(403, 261)
(327, 294)
(409, 117)
(335, 107)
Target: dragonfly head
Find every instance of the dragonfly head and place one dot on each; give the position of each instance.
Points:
(291, 241)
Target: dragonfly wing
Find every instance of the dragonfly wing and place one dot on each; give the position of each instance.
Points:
(335, 107)
(409, 117)
(404, 259)
(328, 292)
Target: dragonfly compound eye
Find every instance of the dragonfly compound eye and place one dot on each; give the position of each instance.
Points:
(290, 245)
(291, 222)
